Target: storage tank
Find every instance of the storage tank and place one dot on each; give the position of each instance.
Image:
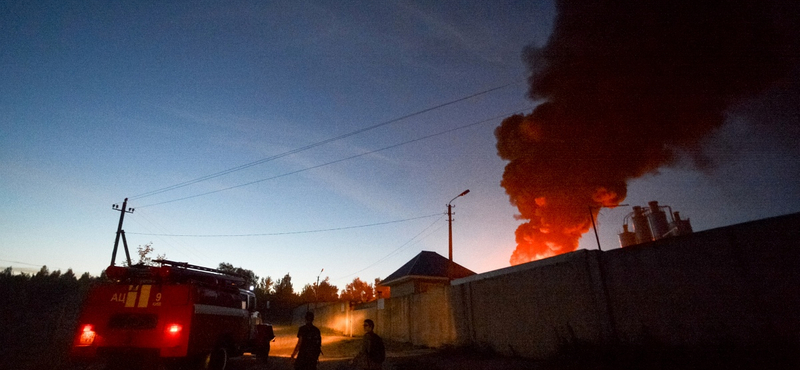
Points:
(641, 226)
(626, 238)
(658, 221)
(679, 226)
(650, 223)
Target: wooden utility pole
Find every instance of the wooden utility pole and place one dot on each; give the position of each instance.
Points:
(450, 231)
(120, 232)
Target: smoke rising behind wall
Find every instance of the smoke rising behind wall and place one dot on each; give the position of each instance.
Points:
(628, 87)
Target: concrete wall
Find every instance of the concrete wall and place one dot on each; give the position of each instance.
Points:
(421, 319)
(430, 318)
(531, 309)
(332, 315)
(737, 285)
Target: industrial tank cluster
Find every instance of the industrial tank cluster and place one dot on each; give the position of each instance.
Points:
(651, 224)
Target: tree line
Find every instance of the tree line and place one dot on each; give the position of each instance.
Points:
(39, 313)
(277, 298)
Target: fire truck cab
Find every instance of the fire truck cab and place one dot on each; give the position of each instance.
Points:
(172, 314)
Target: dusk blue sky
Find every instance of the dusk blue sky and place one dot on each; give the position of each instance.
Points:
(102, 101)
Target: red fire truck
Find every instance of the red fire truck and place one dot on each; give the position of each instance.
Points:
(175, 314)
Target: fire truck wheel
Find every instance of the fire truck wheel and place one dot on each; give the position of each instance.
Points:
(217, 359)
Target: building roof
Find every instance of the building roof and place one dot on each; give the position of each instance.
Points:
(427, 265)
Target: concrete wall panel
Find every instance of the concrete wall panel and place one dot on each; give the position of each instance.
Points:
(531, 311)
(732, 284)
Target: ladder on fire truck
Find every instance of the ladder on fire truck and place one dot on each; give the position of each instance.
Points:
(203, 274)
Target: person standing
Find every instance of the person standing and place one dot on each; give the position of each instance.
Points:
(373, 352)
(309, 345)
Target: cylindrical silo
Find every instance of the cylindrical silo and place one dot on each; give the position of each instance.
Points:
(627, 238)
(682, 227)
(658, 221)
(641, 226)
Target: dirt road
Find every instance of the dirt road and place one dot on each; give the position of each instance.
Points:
(339, 350)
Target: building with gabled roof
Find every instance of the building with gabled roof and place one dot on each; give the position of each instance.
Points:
(423, 271)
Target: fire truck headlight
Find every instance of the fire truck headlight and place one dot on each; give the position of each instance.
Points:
(87, 335)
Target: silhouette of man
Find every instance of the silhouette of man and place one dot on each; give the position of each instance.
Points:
(309, 345)
(372, 352)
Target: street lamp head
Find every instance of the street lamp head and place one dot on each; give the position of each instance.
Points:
(459, 195)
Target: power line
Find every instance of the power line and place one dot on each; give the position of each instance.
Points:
(190, 249)
(314, 145)
(398, 249)
(290, 232)
(36, 268)
(23, 263)
(331, 162)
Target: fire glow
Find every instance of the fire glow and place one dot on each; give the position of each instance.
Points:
(627, 87)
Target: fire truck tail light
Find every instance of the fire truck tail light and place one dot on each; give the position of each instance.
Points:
(174, 329)
(87, 335)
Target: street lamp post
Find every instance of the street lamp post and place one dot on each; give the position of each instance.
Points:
(450, 223)
(316, 290)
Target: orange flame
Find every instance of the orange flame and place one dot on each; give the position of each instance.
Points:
(557, 223)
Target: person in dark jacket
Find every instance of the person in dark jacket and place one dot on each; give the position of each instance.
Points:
(309, 345)
(372, 352)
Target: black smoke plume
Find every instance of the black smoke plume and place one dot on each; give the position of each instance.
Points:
(627, 87)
